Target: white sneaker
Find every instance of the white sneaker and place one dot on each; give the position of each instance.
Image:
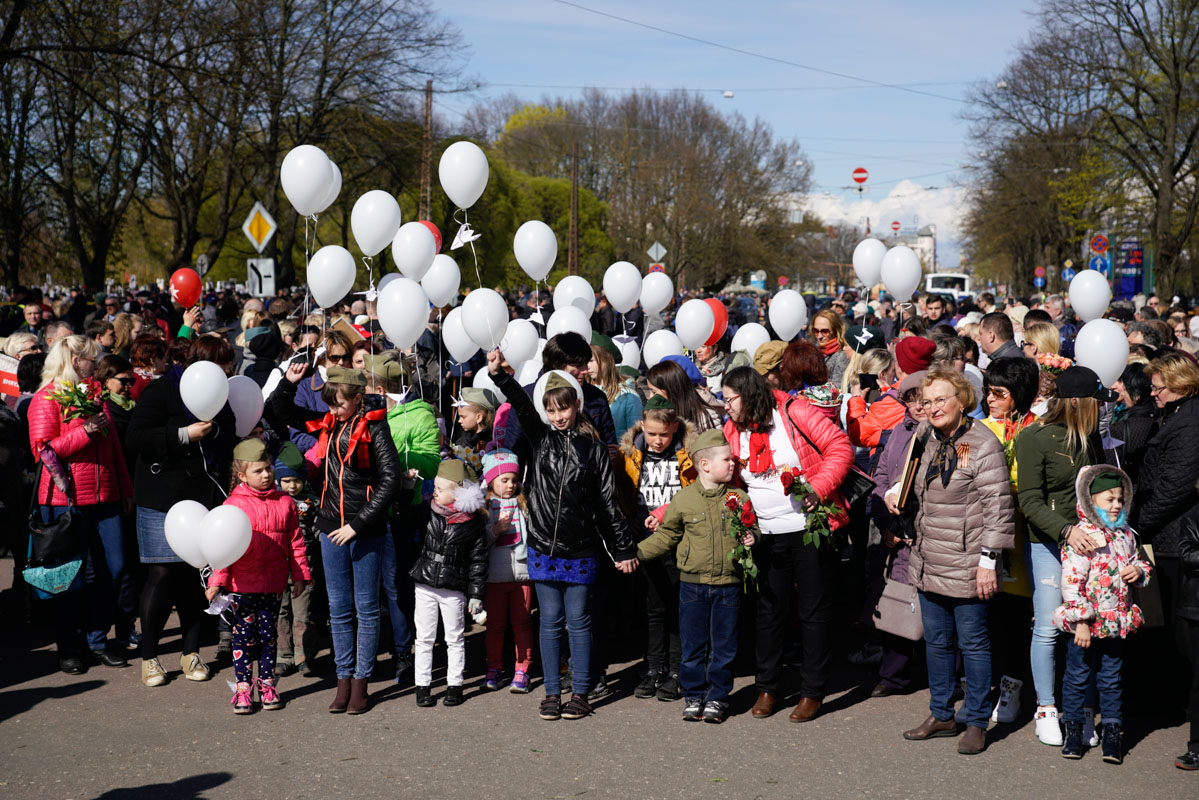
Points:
(1008, 707)
(1089, 735)
(1049, 727)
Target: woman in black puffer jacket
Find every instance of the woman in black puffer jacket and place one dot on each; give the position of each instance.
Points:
(1134, 422)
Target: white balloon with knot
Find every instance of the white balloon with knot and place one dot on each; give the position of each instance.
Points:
(374, 221)
(463, 171)
(455, 338)
(331, 274)
(694, 323)
(307, 178)
(656, 292)
(868, 261)
(901, 272)
(204, 389)
(1090, 295)
(788, 314)
(575, 291)
(485, 317)
(622, 286)
(413, 249)
(535, 248)
(216, 538)
(403, 311)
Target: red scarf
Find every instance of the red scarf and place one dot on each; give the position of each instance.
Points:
(831, 346)
(761, 458)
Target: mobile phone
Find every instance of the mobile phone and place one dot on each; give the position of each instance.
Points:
(867, 381)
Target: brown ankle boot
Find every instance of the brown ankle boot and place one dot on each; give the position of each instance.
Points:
(358, 700)
(343, 696)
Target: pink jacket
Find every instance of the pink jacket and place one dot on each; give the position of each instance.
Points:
(276, 548)
(97, 465)
(825, 466)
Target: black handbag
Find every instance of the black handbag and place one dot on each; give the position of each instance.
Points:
(51, 542)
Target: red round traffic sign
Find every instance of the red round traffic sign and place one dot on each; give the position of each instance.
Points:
(1099, 243)
(860, 175)
(784, 280)
(1039, 272)
(895, 226)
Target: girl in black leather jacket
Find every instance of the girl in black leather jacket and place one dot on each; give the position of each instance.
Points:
(574, 520)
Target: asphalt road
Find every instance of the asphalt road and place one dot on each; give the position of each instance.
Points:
(104, 735)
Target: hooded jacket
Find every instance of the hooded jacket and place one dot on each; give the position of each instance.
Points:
(417, 438)
(95, 461)
(1166, 485)
(1092, 589)
(453, 552)
(276, 549)
(1045, 473)
(632, 451)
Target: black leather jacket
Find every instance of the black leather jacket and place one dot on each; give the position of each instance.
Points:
(571, 491)
(1166, 485)
(1188, 551)
(453, 556)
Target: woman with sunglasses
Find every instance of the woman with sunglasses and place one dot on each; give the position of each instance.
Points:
(338, 352)
(827, 330)
(115, 374)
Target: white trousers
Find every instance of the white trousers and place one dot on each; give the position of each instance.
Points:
(451, 606)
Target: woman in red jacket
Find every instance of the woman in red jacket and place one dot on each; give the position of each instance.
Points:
(87, 456)
(770, 433)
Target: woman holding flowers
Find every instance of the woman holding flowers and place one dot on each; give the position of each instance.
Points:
(83, 469)
(772, 435)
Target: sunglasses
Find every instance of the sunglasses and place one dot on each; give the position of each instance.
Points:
(336, 359)
(127, 381)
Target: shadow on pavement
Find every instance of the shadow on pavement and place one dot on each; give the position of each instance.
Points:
(21, 700)
(184, 789)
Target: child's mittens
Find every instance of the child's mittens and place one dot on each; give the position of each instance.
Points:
(475, 609)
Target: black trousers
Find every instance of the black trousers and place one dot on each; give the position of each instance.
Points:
(663, 649)
(1192, 635)
(790, 569)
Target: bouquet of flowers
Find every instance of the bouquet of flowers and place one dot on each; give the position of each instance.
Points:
(1053, 363)
(80, 400)
(818, 530)
(744, 523)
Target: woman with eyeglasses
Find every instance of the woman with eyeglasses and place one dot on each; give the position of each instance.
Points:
(20, 345)
(338, 352)
(827, 330)
(964, 520)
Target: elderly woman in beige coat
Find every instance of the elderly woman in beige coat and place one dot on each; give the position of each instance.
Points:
(965, 519)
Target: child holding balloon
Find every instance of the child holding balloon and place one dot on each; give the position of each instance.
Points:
(276, 552)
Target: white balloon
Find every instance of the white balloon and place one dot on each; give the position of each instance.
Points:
(901, 272)
(374, 221)
(306, 177)
(331, 275)
(694, 323)
(749, 338)
(630, 351)
(182, 526)
(622, 286)
(656, 291)
(483, 381)
(463, 172)
(246, 401)
(334, 188)
(413, 250)
(455, 337)
(568, 319)
(386, 279)
(204, 388)
(535, 248)
(528, 371)
(868, 261)
(575, 291)
(520, 342)
(485, 315)
(788, 314)
(403, 311)
(442, 280)
(225, 534)
(659, 345)
(539, 391)
(1101, 345)
(1090, 295)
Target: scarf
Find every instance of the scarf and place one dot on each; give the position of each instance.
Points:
(948, 454)
(831, 346)
(452, 516)
(761, 458)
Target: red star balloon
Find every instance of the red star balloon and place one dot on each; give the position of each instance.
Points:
(436, 233)
(185, 287)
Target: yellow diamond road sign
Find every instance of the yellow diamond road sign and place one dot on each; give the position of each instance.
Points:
(259, 227)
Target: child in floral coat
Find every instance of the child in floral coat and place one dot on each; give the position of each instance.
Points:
(1097, 608)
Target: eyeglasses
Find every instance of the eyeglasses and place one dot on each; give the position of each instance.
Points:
(728, 401)
(937, 402)
(1154, 388)
(1002, 394)
(822, 331)
(337, 359)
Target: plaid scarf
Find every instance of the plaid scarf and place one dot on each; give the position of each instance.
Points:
(945, 460)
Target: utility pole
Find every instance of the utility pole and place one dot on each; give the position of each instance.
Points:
(426, 158)
(572, 261)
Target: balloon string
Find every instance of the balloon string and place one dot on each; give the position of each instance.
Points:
(370, 276)
(474, 255)
(209, 474)
(440, 356)
(205, 575)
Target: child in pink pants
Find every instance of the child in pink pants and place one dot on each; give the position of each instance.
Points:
(509, 597)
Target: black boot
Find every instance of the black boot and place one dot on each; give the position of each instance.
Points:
(1112, 741)
(424, 697)
(453, 696)
(1072, 748)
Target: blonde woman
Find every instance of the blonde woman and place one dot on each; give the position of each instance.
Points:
(827, 330)
(250, 318)
(98, 492)
(123, 330)
(1041, 337)
(623, 400)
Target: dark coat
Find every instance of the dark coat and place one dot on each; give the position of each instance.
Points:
(1045, 480)
(454, 555)
(1166, 486)
(1135, 427)
(1188, 549)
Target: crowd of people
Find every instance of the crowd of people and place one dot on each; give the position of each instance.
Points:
(774, 501)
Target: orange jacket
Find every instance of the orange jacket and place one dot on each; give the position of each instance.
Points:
(866, 426)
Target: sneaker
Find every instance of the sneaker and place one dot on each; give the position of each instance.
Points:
(576, 708)
(648, 686)
(693, 709)
(268, 695)
(224, 647)
(194, 669)
(669, 689)
(424, 697)
(520, 683)
(453, 696)
(1008, 707)
(492, 682)
(601, 690)
(152, 672)
(1072, 748)
(716, 712)
(1049, 727)
(1090, 736)
(404, 665)
(1113, 743)
(1188, 760)
(551, 708)
(243, 702)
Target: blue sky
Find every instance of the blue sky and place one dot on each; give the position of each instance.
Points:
(913, 145)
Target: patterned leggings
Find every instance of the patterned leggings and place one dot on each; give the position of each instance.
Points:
(255, 628)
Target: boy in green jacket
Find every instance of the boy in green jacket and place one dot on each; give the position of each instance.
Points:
(699, 520)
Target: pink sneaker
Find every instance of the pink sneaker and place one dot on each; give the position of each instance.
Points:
(243, 701)
(520, 683)
(269, 695)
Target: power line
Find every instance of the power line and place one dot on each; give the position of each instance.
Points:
(733, 89)
(752, 54)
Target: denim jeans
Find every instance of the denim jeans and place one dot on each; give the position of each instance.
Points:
(399, 591)
(92, 610)
(352, 579)
(569, 603)
(1044, 563)
(967, 618)
(1098, 667)
(708, 629)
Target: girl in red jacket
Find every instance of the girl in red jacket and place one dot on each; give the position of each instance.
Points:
(260, 576)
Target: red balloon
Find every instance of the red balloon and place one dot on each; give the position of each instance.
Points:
(433, 229)
(186, 287)
(721, 315)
